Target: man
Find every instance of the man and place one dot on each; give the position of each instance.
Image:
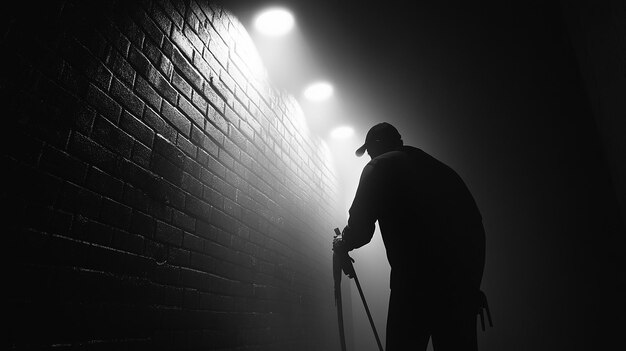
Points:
(434, 238)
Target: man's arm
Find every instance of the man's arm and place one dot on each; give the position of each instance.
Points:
(364, 210)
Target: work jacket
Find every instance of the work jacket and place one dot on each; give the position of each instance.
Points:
(429, 221)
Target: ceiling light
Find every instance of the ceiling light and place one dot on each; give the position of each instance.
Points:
(274, 21)
(318, 91)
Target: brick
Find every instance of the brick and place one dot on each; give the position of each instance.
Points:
(73, 80)
(206, 230)
(210, 92)
(97, 233)
(135, 198)
(224, 188)
(149, 26)
(186, 69)
(134, 244)
(183, 221)
(166, 66)
(163, 86)
(237, 137)
(200, 102)
(172, 13)
(170, 195)
(177, 119)
(132, 31)
(182, 86)
(111, 136)
(125, 96)
(183, 43)
(141, 155)
(226, 159)
(191, 19)
(156, 122)
(62, 164)
(232, 209)
(160, 19)
(166, 169)
(192, 167)
(76, 199)
(147, 93)
(203, 34)
(142, 224)
(202, 157)
(219, 49)
(137, 129)
(168, 150)
(226, 86)
(231, 116)
(191, 297)
(168, 234)
(104, 104)
(224, 238)
(218, 123)
(192, 185)
(231, 148)
(83, 60)
(209, 11)
(193, 243)
(241, 82)
(199, 138)
(199, 209)
(191, 35)
(191, 111)
(115, 214)
(94, 154)
(121, 68)
(114, 36)
(194, 279)
(168, 275)
(211, 61)
(186, 146)
(140, 62)
(152, 53)
(216, 167)
(104, 184)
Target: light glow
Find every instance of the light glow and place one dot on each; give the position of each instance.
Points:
(342, 132)
(274, 21)
(318, 91)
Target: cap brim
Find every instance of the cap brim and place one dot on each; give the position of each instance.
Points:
(360, 151)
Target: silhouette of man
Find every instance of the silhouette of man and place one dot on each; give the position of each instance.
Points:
(434, 238)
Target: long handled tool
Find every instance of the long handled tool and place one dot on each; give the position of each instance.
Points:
(337, 277)
(341, 261)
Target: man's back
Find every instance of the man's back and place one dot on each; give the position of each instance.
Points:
(429, 221)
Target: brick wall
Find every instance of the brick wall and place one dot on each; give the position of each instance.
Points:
(161, 194)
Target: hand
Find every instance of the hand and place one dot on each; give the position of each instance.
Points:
(338, 244)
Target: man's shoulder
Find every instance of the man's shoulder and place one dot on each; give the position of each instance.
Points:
(404, 153)
(391, 160)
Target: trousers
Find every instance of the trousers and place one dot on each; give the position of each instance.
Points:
(413, 319)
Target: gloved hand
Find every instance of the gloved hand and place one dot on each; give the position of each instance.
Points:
(338, 243)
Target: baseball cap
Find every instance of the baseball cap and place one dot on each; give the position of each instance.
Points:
(381, 132)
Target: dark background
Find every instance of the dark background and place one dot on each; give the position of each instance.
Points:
(510, 95)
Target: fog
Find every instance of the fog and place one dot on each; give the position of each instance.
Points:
(492, 89)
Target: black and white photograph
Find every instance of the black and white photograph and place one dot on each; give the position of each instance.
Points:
(299, 175)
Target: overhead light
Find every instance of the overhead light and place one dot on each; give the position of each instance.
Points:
(342, 132)
(318, 91)
(274, 21)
